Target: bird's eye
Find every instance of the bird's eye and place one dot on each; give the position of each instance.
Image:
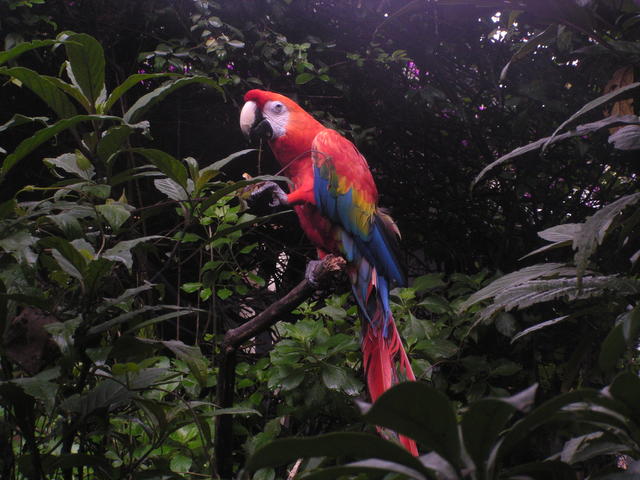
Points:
(278, 107)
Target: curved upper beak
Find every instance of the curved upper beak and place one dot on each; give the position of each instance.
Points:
(253, 125)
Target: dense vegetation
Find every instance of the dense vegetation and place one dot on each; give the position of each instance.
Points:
(504, 138)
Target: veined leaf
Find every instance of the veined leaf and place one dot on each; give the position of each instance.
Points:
(580, 130)
(221, 163)
(72, 90)
(25, 47)
(515, 278)
(27, 146)
(147, 101)
(620, 338)
(538, 326)
(538, 291)
(18, 120)
(129, 83)
(402, 409)
(545, 37)
(627, 138)
(86, 61)
(166, 163)
(44, 88)
(598, 102)
(595, 228)
(355, 445)
(121, 251)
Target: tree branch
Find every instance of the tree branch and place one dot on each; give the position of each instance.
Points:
(235, 337)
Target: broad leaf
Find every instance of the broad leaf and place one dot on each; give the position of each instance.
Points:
(18, 120)
(626, 138)
(402, 409)
(485, 420)
(121, 252)
(147, 101)
(538, 326)
(27, 146)
(25, 47)
(115, 213)
(595, 228)
(86, 59)
(621, 337)
(44, 88)
(514, 278)
(580, 130)
(598, 102)
(166, 163)
(351, 445)
(545, 37)
(129, 83)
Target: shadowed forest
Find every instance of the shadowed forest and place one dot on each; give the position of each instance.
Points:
(155, 320)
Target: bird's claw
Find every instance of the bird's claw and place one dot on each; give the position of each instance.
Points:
(309, 273)
(278, 196)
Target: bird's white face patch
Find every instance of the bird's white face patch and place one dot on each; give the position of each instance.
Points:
(277, 114)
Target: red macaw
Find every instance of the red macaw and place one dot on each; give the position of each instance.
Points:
(335, 198)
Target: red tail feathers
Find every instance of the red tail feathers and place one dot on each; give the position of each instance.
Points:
(386, 364)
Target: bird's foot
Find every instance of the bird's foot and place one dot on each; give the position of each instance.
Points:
(318, 268)
(278, 196)
(310, 273)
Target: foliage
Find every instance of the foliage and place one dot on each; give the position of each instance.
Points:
(138, 254)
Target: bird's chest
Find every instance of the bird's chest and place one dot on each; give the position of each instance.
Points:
(320, 231)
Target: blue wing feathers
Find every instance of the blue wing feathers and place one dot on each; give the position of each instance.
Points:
(369, 250)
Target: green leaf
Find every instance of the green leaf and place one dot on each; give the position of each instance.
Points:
(113, 139)
(514, 278)
(223, 293)
(334, 377)
(402, 409)
(147, 101)
(625, 388)
(18, 120)
(129, 83)
(171, 189)
(620, 338)
(43, 88)
(27, 146)
(539, 326)
(370, 468)
(69, 259)
(166, 163)
(115, 213)
(121, 252)
(428, 282)
(538, 417)
(355, 445)
(304, 77)
(580, 130)
(595, 228)
(598, 102)
(72, 90)
(180, 464)
(25, 47)
(87, 64)
(545, 37)
(626, 138)
(69, 163)
(192, 356)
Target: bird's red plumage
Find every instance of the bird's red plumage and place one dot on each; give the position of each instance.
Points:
(304, 141)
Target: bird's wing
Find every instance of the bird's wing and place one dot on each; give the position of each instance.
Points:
(344, 192)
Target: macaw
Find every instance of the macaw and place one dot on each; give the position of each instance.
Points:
(335, 198)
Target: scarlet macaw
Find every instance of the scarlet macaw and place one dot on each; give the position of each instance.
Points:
(335, 197)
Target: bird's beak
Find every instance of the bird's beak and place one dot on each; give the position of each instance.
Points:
(253, 125)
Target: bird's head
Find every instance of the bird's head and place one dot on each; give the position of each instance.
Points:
(271, 116)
